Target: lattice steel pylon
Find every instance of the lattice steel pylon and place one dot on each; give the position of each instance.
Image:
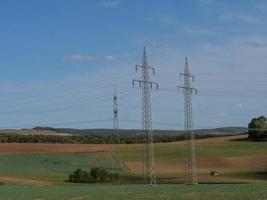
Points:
(190, 157)
(115, 134)
(147, 85)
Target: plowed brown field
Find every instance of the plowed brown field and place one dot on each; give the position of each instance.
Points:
(13, 148)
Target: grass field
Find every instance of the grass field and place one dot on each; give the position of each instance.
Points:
(51, 166)
(135, 192)
(39, 171)
(231, 157)
(225, 155)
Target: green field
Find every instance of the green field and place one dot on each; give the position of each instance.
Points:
(237, 161)
(51, 166)
(233, 159)
(59, 166)
(224, 156)
(225, 149)
(135, 192)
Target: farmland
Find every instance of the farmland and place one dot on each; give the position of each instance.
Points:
(134, 192)
(40, 171)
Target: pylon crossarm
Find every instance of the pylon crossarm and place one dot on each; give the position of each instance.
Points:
(144, 67)
(187, 74)
(184, 88)
(140, 82)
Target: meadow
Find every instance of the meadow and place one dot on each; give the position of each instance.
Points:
(135, 192)
(51, 166)
(42, 173)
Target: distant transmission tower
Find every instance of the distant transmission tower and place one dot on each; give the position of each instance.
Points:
(146, 85)
(115, 133)
(190, 158)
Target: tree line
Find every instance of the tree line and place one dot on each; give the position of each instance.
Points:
(91, 139)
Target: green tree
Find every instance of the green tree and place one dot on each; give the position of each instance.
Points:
(80, 176)
(99, 174)
(258, 128)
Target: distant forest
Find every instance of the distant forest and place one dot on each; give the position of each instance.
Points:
(99, 136)
(90, 139)
(215, 131)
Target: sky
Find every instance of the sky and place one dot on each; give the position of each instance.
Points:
(60, 60)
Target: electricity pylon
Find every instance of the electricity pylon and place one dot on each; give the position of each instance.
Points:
(147, 85)
(115, 134)
(190, 157)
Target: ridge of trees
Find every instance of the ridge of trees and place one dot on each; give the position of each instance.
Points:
(91, 139)
(221, 130)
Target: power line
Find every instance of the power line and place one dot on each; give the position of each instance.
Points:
(233, 73)
(67, 90)
(57, 124)
(85, 102)
(158, 109)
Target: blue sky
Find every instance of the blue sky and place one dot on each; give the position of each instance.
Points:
(59, 60)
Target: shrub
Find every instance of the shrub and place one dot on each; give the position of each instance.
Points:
(96, 175)
(113, 176)
(99, 174)
(80, 176)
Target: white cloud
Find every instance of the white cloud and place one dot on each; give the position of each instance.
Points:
(110, 57)
(110, 3)
(232, 16)
(239, 105)
(253, 42)
(199, 31)
(221, 115)
(77, 57)
(81, 58)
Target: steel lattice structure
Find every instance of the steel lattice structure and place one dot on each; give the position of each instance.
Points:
(115, 135)
(147, 85)
(190, 157)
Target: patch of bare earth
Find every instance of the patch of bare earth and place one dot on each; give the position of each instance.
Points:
(233, 164)
(206, 164)
(197, 141)
(15, 148)
(23, 181)
(219, 139)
